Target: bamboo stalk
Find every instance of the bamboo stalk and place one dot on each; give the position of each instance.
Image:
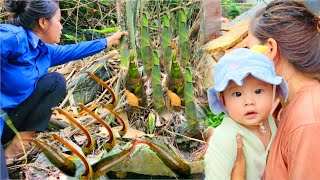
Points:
(130, 24)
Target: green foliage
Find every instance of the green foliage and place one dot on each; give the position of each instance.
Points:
(214, 120)
(105, 30)
(80, 15)
(152, 120)
(71, 38)
(232, 10)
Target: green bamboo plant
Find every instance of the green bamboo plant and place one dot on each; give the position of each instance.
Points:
(157, 93)
(124, 52)
(176, 78)
(146, 51)
(130, 23)
(134, 82)
(166, 42)
(190, 110)
(184, 44)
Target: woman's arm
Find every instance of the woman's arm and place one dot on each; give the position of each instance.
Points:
(239, 169)
(60, 54)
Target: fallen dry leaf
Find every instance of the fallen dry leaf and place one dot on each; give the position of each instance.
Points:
(131, 133)
(80, 139)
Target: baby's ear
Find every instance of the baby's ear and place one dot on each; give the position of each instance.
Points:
(221, 97)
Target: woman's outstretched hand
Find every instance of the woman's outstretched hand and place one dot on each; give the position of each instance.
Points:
(115, 38)
(239, 169)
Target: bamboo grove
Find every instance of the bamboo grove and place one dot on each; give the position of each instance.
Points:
(168, 61)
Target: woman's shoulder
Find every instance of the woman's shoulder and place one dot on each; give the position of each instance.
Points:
(11, 32)
(14, 41)
(305, 108)
(12, 28)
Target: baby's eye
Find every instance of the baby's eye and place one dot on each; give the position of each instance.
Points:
(236, 94)
(258, 91)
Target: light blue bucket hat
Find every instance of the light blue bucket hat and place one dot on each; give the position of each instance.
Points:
(236, 66)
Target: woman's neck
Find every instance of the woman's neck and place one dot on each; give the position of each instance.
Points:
(40, 34)
(295, 79)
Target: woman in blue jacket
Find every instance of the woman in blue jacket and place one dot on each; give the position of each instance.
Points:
(28, 49)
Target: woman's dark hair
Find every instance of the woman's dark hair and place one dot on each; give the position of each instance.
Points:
(26, 13)
(296, 31)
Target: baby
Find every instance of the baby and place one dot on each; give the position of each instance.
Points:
(245, 86)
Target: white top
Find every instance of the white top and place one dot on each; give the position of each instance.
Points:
(222, 151)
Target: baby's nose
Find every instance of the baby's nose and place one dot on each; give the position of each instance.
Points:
(249, 101)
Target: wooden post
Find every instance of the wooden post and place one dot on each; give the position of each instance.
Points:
(211, 19)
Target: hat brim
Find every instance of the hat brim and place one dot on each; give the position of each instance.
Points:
(215, 104)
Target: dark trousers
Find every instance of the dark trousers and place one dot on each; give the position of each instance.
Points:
(3, 167)
(34, 113)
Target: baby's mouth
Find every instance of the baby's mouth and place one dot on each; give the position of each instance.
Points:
(251, 114)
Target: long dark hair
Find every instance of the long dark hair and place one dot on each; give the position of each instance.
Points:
(296, 31)
(26, 13)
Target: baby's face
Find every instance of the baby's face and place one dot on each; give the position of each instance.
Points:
(249, 104)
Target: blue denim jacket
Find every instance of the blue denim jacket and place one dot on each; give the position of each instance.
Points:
(25, 58)
(2, 116)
